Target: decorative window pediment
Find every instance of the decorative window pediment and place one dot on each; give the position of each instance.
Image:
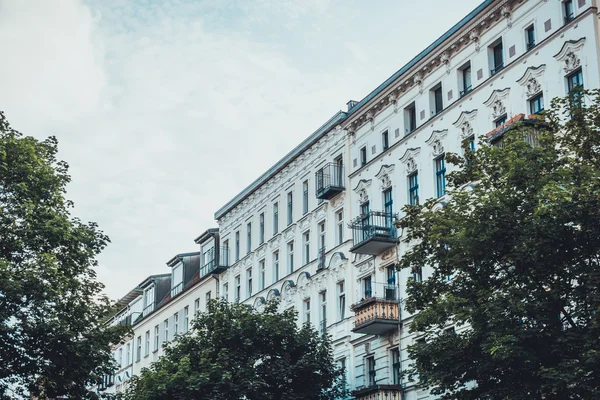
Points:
(384, 175)
(497, 102)
(362, 190)
(531, 79)
(259, 304)
(465, 123)
(435, 141)
(569, 54)
(409, 158)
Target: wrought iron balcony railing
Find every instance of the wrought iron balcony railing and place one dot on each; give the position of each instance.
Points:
(329, 180)
(497, 69)
(215, 261)
(373, 233)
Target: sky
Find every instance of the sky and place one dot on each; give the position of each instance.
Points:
(165, 110)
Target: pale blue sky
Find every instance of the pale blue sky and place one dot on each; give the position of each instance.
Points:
(167, 109)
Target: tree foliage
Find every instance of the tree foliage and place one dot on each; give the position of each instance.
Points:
(235, 352)
(520, 237)
(52, 341)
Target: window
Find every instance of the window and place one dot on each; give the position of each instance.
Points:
(342, 362)
(196, 306)
(341, 300)
(321, 245)
(208, 297)
(370, 361)
(121, 357)
(568, 11)
(410, 118)
(275, 218)
(500, 121)
(536, 104)
(436, 99)
(147, 344)
(465, 75)
(323, 317)
(385, 141)
(306, 247)
(248, 237)
(261, 228)
(238, 289)
(156, 337)
(290, 248)
(304, 197)
(440, 176)
(339, 217)
(177, 279)
(138, 353)
(387, 206)
(237, 246)
(249, 282)
(128, 354)
(413, 189)
(497, 58)
(363, 156)
(275, 266)
(530, 37)
(290, 208)
(367, 287)
(418, 274)
(175, 324)
(575, 81)
(186, 319)
(262, 278)
(225, 253)
(307, 311)
(166, 330)
(396, 366)
(226, 291)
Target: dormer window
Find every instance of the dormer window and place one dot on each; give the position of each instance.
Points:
(177, 279)
(148, 300)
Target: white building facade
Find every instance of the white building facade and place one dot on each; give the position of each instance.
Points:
(316, 230)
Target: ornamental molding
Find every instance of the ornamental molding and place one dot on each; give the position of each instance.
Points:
(445, 60)
(337, 200)
(275, 242)
(384, 175)
(273, 294)
(496, 102)
(290, 233)
(465, 123)
(569, 54)
(261, 251)
(362, 190)
(531, 79)
(305, 222)
(322, 212)
(435, 141)
(409, 159)
(288, 291)
(304, 282)
(506, 13)
(337, 264)
(389, 254)
(259, 304)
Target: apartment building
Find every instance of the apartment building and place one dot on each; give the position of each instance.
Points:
(317, 229)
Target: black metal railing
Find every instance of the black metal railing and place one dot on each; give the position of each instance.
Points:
(569, 18)
(321, 258)
(329, 180)
(497, 69)
(530, 45)
(375, 224)
(466, 90)
(214, 260)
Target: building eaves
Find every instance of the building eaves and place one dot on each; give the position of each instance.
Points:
(428, 50)
(151, 278)
(314, 137)
(178, 257)
(206, 235)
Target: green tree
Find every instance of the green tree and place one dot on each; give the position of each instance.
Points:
(235, 352)
(520, 237)
(52, 341)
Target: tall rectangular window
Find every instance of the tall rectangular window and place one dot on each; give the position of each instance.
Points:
(417, 274)
(339, 218)
(175, 324)
(410, 118)
(166, 329)
(290, 248)
(500, 121)
(323, 312)
(385, 141)
(413, 189)
(275, 218)
(290, 208)
(363, 156)
(208, 296)
(396, 372)
(226, 291)
(225, 253)
(263, 274)
(248, 237)
(341, 300)
(536, 104)
(321, 245)
(466, 79)
(275, 266)
(128, 354)
(388, 207)
(138, 353)
(306, 248)
(307, 311)
(568, 11)
(249, 282)
(261, 228)
(237, 246)
(497, 58)
(121, 357)
(238, 289)
(147, 344)
(440, 176)
(575, 80)
(530, 37)
(368, 288)
(156, 337)
(196, 306)
(370, 361)
(186, 319)
(438, 101)
(304, 197)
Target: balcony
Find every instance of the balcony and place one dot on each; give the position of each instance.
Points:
(377, 313)
(378, 392)
(148, 309)
(215, 261)
(329, 181)
(177, 289)
(373, 233)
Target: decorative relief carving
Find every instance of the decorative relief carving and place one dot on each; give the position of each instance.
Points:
(530, 79)
(289, 291)
(435, 141)
(572, 62)
(474, 37)
(304, 283)
(363, 196)
(506, 12)
(418, 81)
(259, 304)
(498, 109)
(273, 294)
(409, 159)
(569, 54)
(305, 223)
(290, 233)
(496, 102)
(388, 254)
(393, 99)
(445, 60)
(371, 119)
(362, 190)
(411, 165)
(384, 175)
